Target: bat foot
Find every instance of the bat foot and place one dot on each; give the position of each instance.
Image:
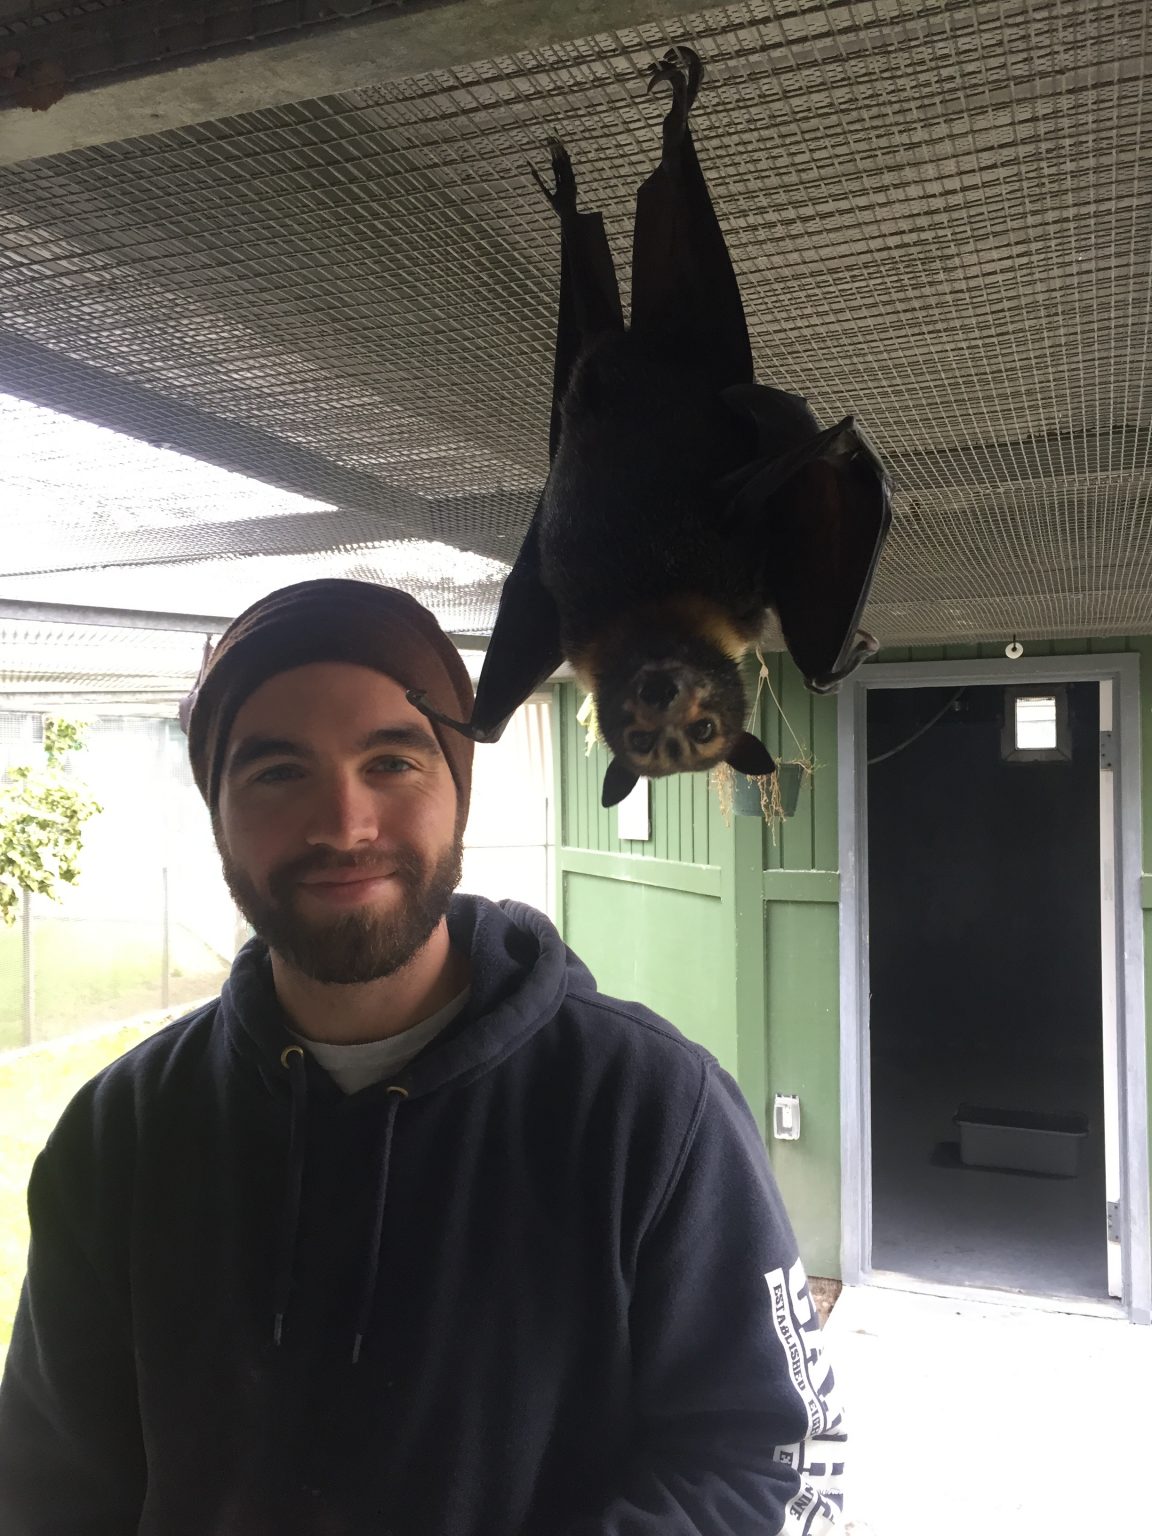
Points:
(683, 69)
(562, 193)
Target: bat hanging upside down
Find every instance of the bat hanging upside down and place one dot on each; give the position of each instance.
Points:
(687, 507)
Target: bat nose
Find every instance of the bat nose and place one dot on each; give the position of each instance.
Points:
(658, 689)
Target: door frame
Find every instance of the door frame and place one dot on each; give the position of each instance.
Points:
(855, 1063)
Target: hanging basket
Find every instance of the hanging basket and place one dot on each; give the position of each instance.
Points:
(790, 781)
(746, 796)
(774, 797)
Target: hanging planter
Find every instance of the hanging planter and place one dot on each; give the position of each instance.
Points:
(789, 782)
(774, 797)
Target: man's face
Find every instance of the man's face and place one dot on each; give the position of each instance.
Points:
(337, 822)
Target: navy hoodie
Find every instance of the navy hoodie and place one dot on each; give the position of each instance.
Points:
(540, 1284)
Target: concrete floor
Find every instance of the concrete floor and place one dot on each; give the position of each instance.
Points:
(978, 1419)
(939, 1221)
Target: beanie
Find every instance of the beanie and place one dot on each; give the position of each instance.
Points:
(320, 621)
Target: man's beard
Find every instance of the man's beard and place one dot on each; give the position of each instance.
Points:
(355, 946)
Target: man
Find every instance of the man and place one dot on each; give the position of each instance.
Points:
(412, 1232)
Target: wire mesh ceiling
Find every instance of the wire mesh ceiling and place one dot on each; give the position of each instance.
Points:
(939, 214)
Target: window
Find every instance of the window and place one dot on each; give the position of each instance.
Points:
(1036, 721)
(1036, 725)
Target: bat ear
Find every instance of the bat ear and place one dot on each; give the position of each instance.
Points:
(751, 756)
(618, 782)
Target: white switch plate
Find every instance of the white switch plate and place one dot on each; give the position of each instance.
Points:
(786, 1117)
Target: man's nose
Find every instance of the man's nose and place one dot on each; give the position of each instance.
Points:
(344, 813)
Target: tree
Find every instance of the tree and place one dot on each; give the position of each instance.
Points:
(42, 816)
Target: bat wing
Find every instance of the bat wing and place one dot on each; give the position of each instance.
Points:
(816, 509)
(589, 293)
(523, 652)
(525, 647)
(826, 528)
(684, 290)
(831, 520)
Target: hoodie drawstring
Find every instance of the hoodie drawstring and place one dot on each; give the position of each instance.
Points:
(292, 1058)
(372, 1266)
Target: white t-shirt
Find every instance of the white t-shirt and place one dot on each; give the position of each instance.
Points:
(353, 1067)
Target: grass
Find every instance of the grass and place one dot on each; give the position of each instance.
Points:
(94, 972)
(35, 1086)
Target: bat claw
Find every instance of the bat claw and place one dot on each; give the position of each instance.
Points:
(562, 193)
(683, 68)
(417, 698)
(864, 645)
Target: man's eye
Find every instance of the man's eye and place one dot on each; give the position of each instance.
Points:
(278, 773)
(391, 765)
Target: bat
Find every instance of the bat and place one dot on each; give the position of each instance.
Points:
(687, 508)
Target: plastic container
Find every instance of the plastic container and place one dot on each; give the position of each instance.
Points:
(1021, 1139)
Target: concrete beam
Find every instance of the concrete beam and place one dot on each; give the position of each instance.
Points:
(386, 45)
(26, 611)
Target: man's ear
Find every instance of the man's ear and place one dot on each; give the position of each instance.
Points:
(751, 756)
(618, 782)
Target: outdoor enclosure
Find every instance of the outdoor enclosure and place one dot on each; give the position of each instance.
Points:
(940, 220)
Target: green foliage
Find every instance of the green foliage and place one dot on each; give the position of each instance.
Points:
(42, 815)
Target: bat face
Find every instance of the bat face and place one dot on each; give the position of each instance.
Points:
(672, 716)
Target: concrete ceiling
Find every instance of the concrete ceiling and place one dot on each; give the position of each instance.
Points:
(127, 67)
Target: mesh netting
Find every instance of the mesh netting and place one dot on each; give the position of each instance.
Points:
(938, 212)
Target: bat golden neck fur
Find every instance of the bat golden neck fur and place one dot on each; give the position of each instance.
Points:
(685, 614)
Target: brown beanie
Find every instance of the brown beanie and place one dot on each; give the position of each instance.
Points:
(329, 620)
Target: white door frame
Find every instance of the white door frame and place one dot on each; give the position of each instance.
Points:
(855, 1077)
(1109, 965)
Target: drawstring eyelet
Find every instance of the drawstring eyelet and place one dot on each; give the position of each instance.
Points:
(290, 1050)
(396, 1088)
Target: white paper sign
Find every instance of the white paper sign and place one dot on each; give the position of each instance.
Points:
(633, 814)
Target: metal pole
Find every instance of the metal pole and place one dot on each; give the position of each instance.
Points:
(29, 970)
(165, 949)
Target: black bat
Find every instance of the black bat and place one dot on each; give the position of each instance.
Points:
(685, 503)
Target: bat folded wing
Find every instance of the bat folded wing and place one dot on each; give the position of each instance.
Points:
(814, 510)
(523, 652)
(829, 522)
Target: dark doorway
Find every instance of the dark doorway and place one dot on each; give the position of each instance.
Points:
(984, 935)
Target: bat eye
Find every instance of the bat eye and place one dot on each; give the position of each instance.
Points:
(642, 741)
(702, 730)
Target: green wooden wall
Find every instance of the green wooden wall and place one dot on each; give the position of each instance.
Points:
(653, 920)
(732, 932)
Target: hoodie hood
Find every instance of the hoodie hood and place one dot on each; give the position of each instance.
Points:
(521, 972)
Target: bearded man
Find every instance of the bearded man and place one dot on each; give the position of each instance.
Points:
(411, 1232)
